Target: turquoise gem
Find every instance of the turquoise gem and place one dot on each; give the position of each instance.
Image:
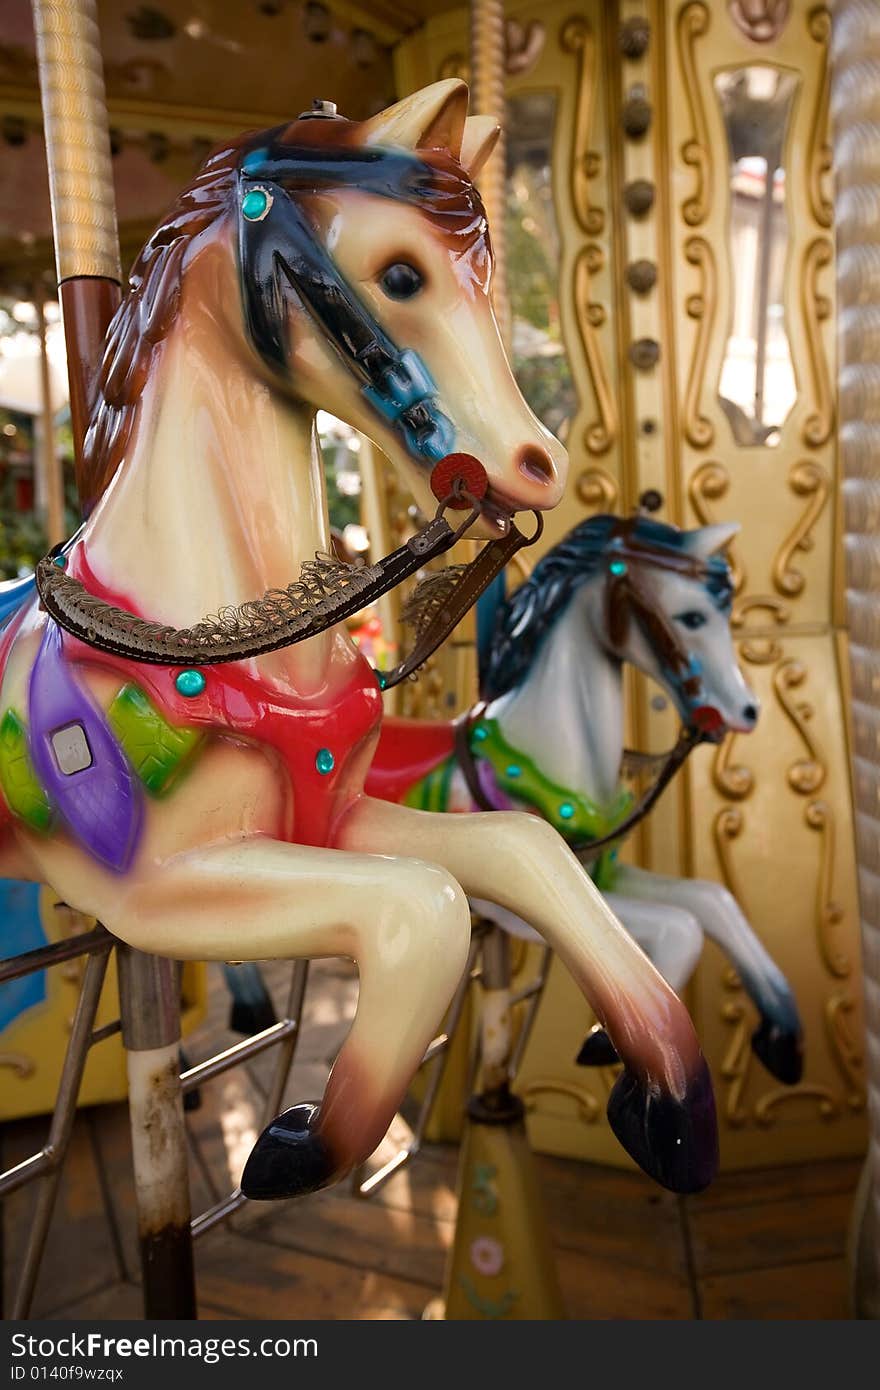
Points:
(617, 567)
(480, 733)
(513, 770)
(566, 810)
(61, 561)
(255, 204)
(255, 158)
(380, 679)
(189, 683)
(324, 761)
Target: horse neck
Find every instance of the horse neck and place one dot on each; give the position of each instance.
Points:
(567, 715)
(219, 498)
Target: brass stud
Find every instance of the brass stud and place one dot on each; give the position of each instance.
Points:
(641, 276)
(634, 37)
(638, 197)
(637, 115)
(644, 353)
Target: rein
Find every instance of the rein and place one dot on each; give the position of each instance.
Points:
(327, 593)
(688, 740)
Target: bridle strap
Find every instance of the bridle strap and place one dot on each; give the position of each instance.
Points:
(245, 633)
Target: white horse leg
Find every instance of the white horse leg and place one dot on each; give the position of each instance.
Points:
(778, 1041)
(670, 937)
(661, 1108)
(405, 923)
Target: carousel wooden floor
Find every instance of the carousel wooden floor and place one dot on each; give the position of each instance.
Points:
(756, 1245)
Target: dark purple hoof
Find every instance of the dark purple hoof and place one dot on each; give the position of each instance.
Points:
(780, 1050)
(289, 1159)
(598, 1049)
(675, 1142)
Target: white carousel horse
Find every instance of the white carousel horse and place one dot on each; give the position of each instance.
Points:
(217, 811)
(549, 738)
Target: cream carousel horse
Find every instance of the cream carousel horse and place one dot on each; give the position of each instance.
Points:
(548, 737)
(321, 264)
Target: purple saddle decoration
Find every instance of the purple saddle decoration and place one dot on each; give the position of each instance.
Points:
(78, 760)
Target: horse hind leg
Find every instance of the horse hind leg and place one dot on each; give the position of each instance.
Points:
(405, 923)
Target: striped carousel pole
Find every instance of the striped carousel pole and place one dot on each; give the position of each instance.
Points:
(855, 109)
(89, 276)
(501, 1264)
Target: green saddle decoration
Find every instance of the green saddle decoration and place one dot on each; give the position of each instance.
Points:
(158, 751)
(575, 816)
(25, 796)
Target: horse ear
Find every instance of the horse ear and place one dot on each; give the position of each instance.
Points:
(709, 540)
(432, 119)
(480, 137)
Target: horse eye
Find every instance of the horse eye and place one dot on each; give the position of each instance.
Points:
(401, 281)
(692, 620)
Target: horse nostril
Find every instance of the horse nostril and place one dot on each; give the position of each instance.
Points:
(536, 464)
(750, 713)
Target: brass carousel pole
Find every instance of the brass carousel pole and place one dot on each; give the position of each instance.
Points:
(855, 105)
(87, 263)
(501, 1264)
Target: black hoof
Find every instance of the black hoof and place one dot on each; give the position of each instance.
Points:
(675, 1142)
(249, 1019)
(780, 1050)
(598, 1049)
(289, 1159)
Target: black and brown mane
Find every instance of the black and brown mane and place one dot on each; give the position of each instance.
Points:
(150, 307)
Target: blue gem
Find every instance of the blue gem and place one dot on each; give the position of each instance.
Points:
(324, 761)
(480, 733)
(189, 683)
(60, 561)
(255, 158)
(513, 770)
(566, 810)
(255, 204)
(617, 567)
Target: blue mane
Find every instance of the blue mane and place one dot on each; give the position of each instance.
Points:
(523, 621)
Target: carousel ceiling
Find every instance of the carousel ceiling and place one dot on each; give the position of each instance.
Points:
(180, 75)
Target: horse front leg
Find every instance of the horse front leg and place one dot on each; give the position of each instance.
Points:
(406, 924)
(778, 1040)
(661, 1108)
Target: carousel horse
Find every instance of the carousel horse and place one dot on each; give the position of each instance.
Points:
(548, 737)
(197, 783)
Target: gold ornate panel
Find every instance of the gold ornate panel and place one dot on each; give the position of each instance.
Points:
(660, 202)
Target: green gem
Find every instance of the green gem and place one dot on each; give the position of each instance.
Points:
(480, 733)
(513, 770)
(255, 204)
(60, 561)
(380, 679)
(566, 810)
(617, 567)
(189, 683)
(324, 761)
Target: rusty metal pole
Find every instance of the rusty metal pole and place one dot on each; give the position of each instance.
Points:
(149, 996)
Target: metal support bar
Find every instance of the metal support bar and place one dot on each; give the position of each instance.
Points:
(149, 996)
(16, 967)
(60, 1130)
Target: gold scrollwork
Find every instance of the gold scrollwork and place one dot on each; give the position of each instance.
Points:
(758, 650)
(845, 1050)
(22, 1065)
(766, 1108)
(597, 489)
(577, 37)
(726, 828)
(731, 779)
(709, 483)
(600, 435)
(806, 479)
(693, 23)
(819, 816)
(818, 149)
(701, 307)
(588, 1106)
(816, 307)
(807, 774)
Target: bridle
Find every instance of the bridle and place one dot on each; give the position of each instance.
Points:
(629, 599)
(279, 252)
